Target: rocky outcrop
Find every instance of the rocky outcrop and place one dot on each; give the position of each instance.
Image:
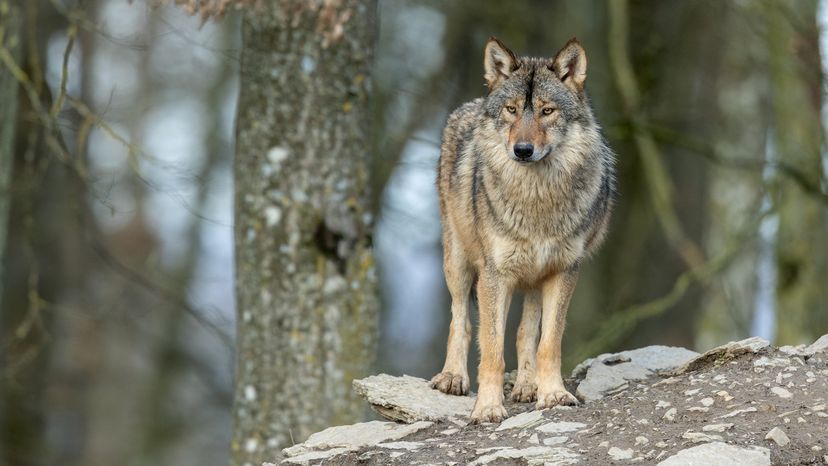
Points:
(743, 403)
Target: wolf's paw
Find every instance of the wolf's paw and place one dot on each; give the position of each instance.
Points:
(491, 413)
(451, 383)
(555, 398)
(524, 392)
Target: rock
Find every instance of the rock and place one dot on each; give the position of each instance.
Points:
(727, 351)
(527, 419)
(401, 445)
(410, 399)
(698, 437)
(354, 436)
(641, 440)
(706, 401)
(534, 440)
(533, 455)
(663, 404)
(781, 392)
(719, 454)
(765, 361)
(560, 427)
(717, 427)
(670, 415)
(610, 373)
(619, 454)
(314, 457)
(819, 346)
(750, 409)
(551, 441)
(778, 435)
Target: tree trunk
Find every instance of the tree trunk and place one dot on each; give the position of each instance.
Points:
(305, 279)
(801, 243)
(10, 41)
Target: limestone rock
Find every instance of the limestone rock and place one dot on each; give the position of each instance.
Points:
(819, 346)
(352, 437)
(778, 435)
(560, 427)
(610, 373)
(727, 351)
(527, 419)
(410, 399)
(719, 454)
(620, 454)
(538, 455)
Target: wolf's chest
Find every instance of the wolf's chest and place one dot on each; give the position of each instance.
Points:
(528, 261)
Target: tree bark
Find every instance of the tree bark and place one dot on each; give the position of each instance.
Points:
(305, 279)
(10, 41)
(801, 243)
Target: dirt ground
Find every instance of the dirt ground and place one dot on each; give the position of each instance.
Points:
(736, 401)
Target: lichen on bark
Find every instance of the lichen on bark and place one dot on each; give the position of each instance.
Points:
(305, 280)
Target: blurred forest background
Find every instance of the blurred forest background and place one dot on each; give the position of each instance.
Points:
(118, 303)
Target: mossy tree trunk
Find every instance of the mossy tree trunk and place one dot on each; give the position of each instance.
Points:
(305, 281)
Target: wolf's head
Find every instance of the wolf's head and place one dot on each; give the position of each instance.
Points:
(537, 104)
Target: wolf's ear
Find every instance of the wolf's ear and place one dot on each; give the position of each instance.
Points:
(498, 62)
(570, 65)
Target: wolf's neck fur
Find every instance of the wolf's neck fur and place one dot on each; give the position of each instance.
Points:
(547, 198)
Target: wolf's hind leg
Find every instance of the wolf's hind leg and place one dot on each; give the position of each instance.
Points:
(525, 389)
(454, 378)
(557, 291)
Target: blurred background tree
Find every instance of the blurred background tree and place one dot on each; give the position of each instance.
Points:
(118, 316)
(305, 279)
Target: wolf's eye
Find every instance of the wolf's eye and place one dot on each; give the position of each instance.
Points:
(510, 109)
(547, 110)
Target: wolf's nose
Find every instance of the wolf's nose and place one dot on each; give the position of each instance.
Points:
(524, 150)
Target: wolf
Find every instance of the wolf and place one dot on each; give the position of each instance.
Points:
(526, 185)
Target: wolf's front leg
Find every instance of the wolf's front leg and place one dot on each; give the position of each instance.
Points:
(525, 389)
(557, 291)
(493, 297)
(454, 378)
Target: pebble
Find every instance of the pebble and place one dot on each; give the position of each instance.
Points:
(778, 435)
(717, 427)
(619, 454)
(706, 401)
(692, 392)
(604, 444)
(726, 396)
(663, 404)
(641, 440)
(750, 409)
(698, 409)
(781, 392)
(670, 415)
(534, 439)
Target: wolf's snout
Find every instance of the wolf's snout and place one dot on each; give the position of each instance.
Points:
(524, 150)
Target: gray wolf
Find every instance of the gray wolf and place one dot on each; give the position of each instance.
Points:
(526, 184)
